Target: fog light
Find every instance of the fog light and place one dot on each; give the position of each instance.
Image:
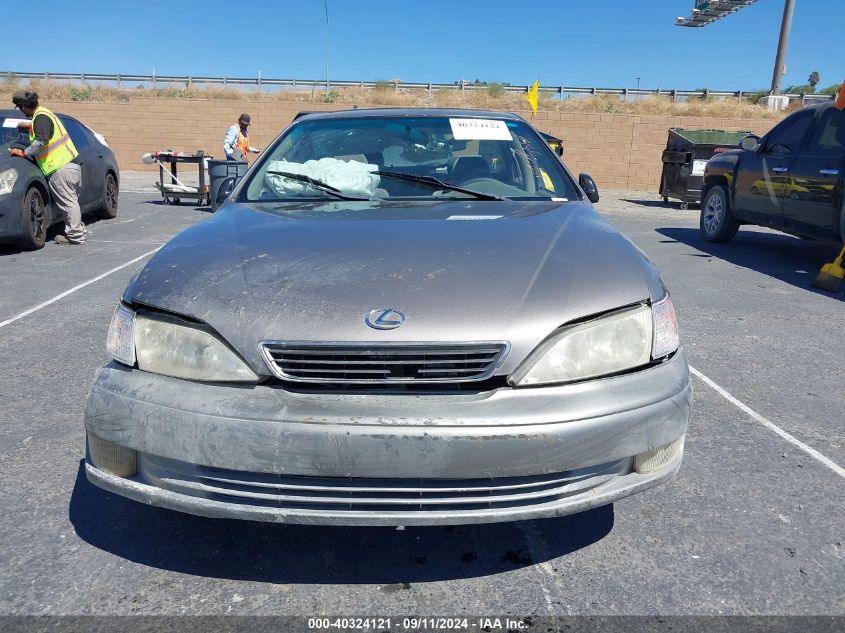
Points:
(659, 457)
(111, 457)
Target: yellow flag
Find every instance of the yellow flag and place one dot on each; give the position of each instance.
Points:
(840, 99)
(532, 95)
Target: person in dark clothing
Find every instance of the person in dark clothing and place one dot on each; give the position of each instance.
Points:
(52, 149)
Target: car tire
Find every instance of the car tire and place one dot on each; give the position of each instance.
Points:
(108, 208)
(33, 221)
(717, 222)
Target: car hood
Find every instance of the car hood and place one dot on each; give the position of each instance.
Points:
(459, 271)
(20, 164)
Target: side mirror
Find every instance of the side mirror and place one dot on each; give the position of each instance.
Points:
(559, 149)
(749, 143)
(589, 186)
(226, 187)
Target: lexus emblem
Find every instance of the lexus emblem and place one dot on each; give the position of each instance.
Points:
(384, 319)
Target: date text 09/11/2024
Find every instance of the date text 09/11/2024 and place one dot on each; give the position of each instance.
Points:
(417, 624)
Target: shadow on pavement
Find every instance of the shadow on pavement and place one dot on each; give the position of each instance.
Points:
(10, 249)
(284, 554)
(789, 259)
(672, 204)
(186, 205)
(58, 228)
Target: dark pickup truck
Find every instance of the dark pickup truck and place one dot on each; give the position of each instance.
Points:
(792, 180)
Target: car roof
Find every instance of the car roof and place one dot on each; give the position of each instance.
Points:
(359, 113)
(818, 106)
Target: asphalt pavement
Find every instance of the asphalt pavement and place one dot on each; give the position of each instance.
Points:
(752, 525)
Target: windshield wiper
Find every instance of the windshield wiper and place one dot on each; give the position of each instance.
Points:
(431, 180)
(317, 184)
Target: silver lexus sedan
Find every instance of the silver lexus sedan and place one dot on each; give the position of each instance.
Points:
(398, 317)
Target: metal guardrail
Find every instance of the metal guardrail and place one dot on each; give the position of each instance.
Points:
(260, 83)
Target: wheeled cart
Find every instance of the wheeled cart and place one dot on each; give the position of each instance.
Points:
(174, 191)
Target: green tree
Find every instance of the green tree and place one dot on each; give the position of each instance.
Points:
(806, 89)
(814, 79)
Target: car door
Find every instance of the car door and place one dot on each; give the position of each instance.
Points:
(763, 175)
(814, 202)
(90, 160)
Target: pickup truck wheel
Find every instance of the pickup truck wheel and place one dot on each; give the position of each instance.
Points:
(717, 222)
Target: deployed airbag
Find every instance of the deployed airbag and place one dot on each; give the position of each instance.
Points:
(350, 177)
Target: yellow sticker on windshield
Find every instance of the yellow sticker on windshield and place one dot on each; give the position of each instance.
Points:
(547, 182)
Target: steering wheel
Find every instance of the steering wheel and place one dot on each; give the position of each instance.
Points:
(480, 181)
(485, 184)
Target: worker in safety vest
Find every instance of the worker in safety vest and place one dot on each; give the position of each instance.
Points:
(53, 151)
(236, 145)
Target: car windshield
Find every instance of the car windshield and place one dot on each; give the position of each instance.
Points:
(9, 134)
(408, 158)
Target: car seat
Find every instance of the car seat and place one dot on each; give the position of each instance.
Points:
(464, 168)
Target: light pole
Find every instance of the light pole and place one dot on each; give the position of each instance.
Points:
(326, 4)
(785, 26)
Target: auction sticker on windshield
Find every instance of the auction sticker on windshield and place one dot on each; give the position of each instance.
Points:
(479, 130)
(14, 122)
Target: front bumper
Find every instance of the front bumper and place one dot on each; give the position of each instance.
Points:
(264, 453)
(10, 216)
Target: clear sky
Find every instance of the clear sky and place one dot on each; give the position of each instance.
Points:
(603, 43)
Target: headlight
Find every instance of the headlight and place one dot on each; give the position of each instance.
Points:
(610, 344)
(7, 180)
(172, 347)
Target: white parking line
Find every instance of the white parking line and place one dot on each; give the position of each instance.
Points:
(770, 425)
(74, 289)
(122, 242)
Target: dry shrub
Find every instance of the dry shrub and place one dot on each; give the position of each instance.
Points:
(662, 105)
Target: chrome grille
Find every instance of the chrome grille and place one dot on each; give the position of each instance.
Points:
(367, 494)
(383, 363)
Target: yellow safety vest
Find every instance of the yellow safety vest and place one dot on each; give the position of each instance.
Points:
(59, 151)
(243, 143)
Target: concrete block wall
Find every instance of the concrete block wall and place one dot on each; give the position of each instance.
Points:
(620, 151)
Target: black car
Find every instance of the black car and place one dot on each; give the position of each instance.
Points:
(792, 180)
(26, 211)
